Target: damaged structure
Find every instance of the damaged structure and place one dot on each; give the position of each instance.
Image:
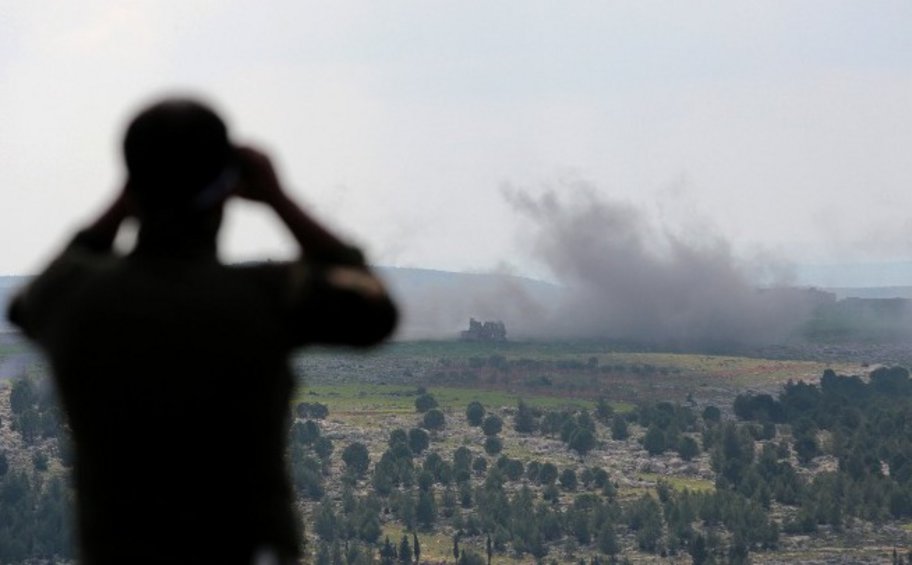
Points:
(487, 331)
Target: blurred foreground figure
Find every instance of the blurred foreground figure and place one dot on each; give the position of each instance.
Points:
(173, 368)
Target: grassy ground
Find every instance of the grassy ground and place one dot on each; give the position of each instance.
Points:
(679, 483)
(543, 374)
(375, 399)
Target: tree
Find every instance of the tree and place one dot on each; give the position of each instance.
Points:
(548, 473)
(688, 448)
(714, 415)
(475, 413)
(462, 459)
(418, 440)
(524, 421)
(619, 428)
(513, 469)
(492, 425)
(319, 411)
(388, 553)
(434, 419)
(493, 445)
(308, 480)
(22, 396)
(417, 547)
(654, 440)
(599, 477)
(28, 423)
(405, 551)
(426, 511)
(698, 550)
(568, 479)
(367, 522)
(603, 411)
(584, 420)
(323, 447)
(607, 540)
(586, 477)
(582, 441)
(425, 480)
(325, 521)
(356, 458)
(397, 436)
(323, 557)
(312, 410)
(425, 402)
(645, 517)
(806, 446)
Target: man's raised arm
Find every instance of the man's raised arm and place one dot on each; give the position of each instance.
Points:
(346, 303)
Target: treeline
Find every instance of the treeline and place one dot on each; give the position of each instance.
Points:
(559, 374)
(500, 504)
(865, 425)
(36, 501)
(536, 508)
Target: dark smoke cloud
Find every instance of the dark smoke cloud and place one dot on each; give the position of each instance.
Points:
(624, 279)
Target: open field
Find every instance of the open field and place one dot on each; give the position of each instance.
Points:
(503, 372)
(378, 399)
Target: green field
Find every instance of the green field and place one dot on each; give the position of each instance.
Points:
(544, 374)
(400, 399)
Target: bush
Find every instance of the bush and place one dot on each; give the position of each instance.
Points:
(493, 445)
(547, 474)
(688, 448)
(492, 425)
(475, 413)
(712, 414)
(582, 441)
(434, 419)
(619, 428)
(418, 440)
(425, 402)
(568, 479)
(397, 436)
(356, 458)
(654, 441)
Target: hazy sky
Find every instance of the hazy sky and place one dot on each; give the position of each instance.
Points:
(784, 127)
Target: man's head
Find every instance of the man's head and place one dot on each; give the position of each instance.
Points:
(176, 152)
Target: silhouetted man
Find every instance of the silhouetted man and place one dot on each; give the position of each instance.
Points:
(172, 367)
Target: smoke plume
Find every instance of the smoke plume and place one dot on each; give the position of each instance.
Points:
(623, 278)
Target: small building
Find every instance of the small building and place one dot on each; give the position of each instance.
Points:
(487, 331)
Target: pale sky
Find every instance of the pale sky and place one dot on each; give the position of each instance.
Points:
(783, 127)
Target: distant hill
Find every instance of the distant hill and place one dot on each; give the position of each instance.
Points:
(893, 274)
(434, 303)
(872, 292)
(439, 304)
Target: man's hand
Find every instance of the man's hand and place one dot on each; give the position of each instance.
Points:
(258, 182)
(257, 177)
(99, 235)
